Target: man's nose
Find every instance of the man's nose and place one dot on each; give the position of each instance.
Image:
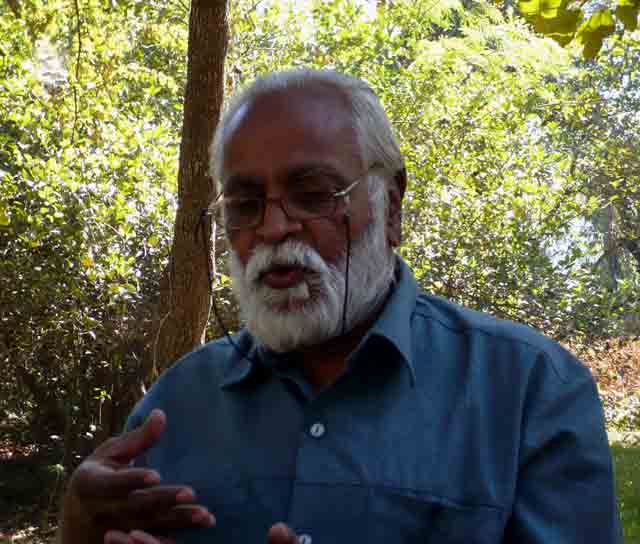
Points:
(276, 224)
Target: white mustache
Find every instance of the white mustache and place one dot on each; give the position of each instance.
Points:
(288, 253)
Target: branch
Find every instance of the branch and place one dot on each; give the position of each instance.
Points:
(15, 7)
(77, 74)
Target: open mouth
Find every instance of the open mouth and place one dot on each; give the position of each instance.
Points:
(283, 276)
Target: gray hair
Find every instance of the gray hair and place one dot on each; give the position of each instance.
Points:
(376, 140)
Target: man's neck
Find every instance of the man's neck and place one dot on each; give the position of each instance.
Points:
(324, 363)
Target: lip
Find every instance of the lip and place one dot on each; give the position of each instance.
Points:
(283, 277)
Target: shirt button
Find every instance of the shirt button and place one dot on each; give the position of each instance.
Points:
(304, 539)
(317, 430)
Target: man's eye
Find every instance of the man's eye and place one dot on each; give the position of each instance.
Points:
(243, 205)
(311, 199)
(312, 195)
(315, 183)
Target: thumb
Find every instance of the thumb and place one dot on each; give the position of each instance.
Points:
(281, 534)
(135, 442)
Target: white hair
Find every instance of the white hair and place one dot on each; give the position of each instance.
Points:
(375, 136)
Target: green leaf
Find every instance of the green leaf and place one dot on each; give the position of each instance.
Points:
(5, 220)
(594, 30)
(627, 12)
(552, 18)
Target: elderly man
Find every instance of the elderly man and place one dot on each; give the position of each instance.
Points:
(352, 407)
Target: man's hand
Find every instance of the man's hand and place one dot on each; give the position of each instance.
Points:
(106, 493)
(278, 534)
(281, 534)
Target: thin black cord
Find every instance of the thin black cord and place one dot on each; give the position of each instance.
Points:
(347, 224)
(202, 227)
(243, 354)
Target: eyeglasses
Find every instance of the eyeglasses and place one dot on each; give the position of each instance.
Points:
(311, 197)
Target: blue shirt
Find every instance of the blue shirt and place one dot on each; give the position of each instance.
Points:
(450, 427)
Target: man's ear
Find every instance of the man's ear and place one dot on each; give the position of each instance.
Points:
(395, 194)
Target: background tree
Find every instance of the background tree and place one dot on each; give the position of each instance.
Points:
(185, 295)
(601, 133)
(88, 160)
(83, 215)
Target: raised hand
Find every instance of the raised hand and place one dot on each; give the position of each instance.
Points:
(106, 493)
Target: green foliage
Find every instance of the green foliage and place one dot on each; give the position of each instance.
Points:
(88, 159)
(627, 469)
(627, 12)
(557, 19)
(495, 216)
(586, 22)
(600, 132)
(594, 30)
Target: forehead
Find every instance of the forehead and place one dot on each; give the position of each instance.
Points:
(288, 129)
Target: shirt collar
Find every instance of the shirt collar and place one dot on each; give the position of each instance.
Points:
(242, 362)
(393, 325)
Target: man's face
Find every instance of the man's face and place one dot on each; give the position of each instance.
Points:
(272, 143)
(289, 274)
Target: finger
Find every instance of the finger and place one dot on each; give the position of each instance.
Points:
(178, 517)
(152, 500)
(183, 516)
(280, 533)
(130, 445)
(99, 482)
(140, 537)
(138, 508)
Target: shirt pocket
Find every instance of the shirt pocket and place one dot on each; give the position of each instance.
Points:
(236, 519)
(407, 517)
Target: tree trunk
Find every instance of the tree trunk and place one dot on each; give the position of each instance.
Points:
(183, 310)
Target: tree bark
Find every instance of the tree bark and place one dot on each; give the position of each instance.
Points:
(183, 310)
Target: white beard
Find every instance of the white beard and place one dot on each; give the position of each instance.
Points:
(311, 311)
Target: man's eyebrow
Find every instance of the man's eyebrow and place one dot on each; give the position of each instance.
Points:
(237, 182)
(310, 169)
(242, 181)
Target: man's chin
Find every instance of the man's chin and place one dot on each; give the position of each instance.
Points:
(287, 326)
(279, 300)
(290, 304)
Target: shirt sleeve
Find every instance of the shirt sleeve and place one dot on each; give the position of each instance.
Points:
(565, 489)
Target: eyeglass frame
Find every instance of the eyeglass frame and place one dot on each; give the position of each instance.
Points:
(343, 193)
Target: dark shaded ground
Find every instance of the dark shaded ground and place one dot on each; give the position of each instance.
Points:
(615, 364)
(29, 484)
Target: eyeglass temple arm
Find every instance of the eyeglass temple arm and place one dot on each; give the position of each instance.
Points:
(345, 192)
(211, 207)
